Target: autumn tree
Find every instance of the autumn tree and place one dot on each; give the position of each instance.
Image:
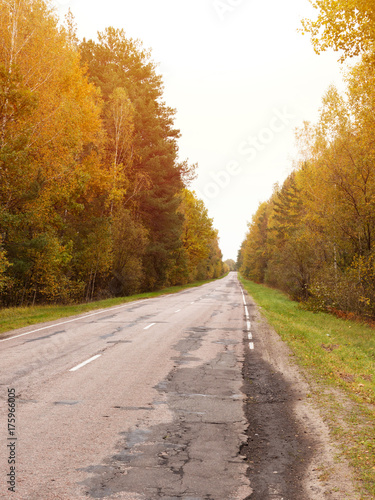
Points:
(319, 243)
(343, 25)
(198, 229)
(155, 177)
(129, 245)
(92, 194)
(214, 265)
(231, 264)
(49, 134)
(253, 258)
(321, 223)
(119, 145)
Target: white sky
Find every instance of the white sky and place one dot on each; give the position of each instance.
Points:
(237, 73)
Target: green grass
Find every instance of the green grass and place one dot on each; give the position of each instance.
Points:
(19, 317)
(336, 354)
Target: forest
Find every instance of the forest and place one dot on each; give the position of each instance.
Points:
(94, 201)
(315, 237)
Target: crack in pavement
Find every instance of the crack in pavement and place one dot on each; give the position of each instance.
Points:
(196, 455)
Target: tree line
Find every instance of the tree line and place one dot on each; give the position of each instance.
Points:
(315, 237)
(94, 201)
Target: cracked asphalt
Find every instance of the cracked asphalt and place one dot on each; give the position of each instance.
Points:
(142, 401)
(164, 398)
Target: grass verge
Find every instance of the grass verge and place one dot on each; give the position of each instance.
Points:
(336, 354)
(19, 317)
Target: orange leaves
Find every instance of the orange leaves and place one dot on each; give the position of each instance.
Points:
(50, 136)
(90, 181)
(62, 113)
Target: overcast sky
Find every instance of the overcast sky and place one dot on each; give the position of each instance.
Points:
(241, 78)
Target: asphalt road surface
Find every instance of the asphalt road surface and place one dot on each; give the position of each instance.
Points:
(156, 413)
(175, 397)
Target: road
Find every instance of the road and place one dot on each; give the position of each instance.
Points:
(156, 411)
(186, 396)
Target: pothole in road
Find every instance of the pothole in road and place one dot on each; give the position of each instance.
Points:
(194, 456)
(226, 342)
(192, 341)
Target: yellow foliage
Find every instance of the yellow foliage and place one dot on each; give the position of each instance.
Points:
(347, 26)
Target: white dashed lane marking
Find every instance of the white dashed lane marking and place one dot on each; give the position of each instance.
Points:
(85, 363)
(149, 326)
(248, 324)
(80, 318)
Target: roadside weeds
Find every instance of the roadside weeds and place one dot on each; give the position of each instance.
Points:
(337, 358)
(18, 317)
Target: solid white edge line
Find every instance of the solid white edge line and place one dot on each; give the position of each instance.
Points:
(251, 345)
(85, 363)
(65, 322)
(72, 320)
(149, 326)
